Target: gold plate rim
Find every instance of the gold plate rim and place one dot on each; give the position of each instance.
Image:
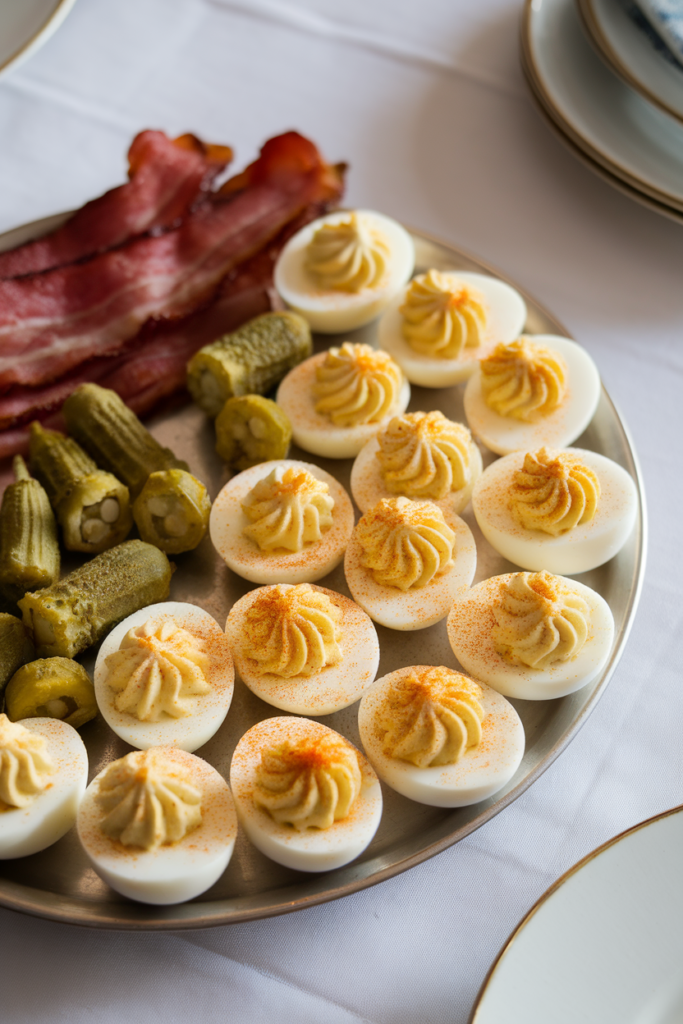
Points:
(606, 51)
(536, 81)
(40, 36)
(606, 175)
(552, 889)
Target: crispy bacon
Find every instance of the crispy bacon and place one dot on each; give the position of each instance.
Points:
(155, 367)
(52, 322)
(167, 177)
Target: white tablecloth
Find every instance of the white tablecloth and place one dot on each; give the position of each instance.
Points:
(427, 103)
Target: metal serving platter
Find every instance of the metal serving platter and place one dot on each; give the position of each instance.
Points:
(58, 883)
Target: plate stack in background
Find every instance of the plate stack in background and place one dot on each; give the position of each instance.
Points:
(608, 77)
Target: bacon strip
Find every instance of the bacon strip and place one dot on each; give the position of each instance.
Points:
(52, 322)
(155, 367)
(167, 177)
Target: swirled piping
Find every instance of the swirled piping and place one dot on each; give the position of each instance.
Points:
(554, 492)
(405, 544)
(424, 455)
(431, 717)
(442, 316)
(540, 621)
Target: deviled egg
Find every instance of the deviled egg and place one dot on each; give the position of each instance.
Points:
(164, 677)
(439, 327)
(303, 648)
(531, 392)
(305, 796)
(340, 271)
(418, 455)
(158, 825)
(282, 522)
(565, 511)
(532, 635)
(338, 400)
(407, 561)
(438, 737)
(43, 774)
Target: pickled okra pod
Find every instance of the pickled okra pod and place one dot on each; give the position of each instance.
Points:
(172, 511)
(91, 505)
(111, 432)
(70, 615)
(52, 688)
(15, 648)
(252, 429)
(29, 551)
(251, 360)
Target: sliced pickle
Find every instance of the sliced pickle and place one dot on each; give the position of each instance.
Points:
(70, 615)
(172, 511)
(15, 649)
(29, 552)
(252, 360)
(252, 429)
(115, 437)
(52, 688)
(92, 506)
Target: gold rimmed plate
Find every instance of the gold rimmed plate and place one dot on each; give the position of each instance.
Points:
(547, 113)
(59, 884)
(630, 53)
(25, 26)
(608, 121)
(604, 943)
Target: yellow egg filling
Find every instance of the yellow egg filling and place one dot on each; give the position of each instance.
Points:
(442, 317)
(405, 543)
(293, 631)
(157, 671)
(540, 621)
(348, 256)
(431, 718)
(308, 784)
(25, 765)
(523, 380)
(424, 455)
(553, 492)
(288, 509)
(356, 384)
(147, 801)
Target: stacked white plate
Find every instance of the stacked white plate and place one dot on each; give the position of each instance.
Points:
(612, 95)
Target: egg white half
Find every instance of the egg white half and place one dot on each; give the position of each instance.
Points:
(582, 548)
(506, 316)
(209, 710)
(478, 774)
(469, 633)
(27, 830)
(504, 434)
(173, 873)
(316, 433)
(332, 689)
(314, 849)
(368, 487)
(419, 607)
(243, 556)
(331, 311)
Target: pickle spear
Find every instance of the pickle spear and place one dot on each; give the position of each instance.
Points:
(15, 648)
(29, 552)
(252, 429)
(115, 437)
(92, 507)
(52, 688)
(252, 360)
(172, 511)
(70, 615)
